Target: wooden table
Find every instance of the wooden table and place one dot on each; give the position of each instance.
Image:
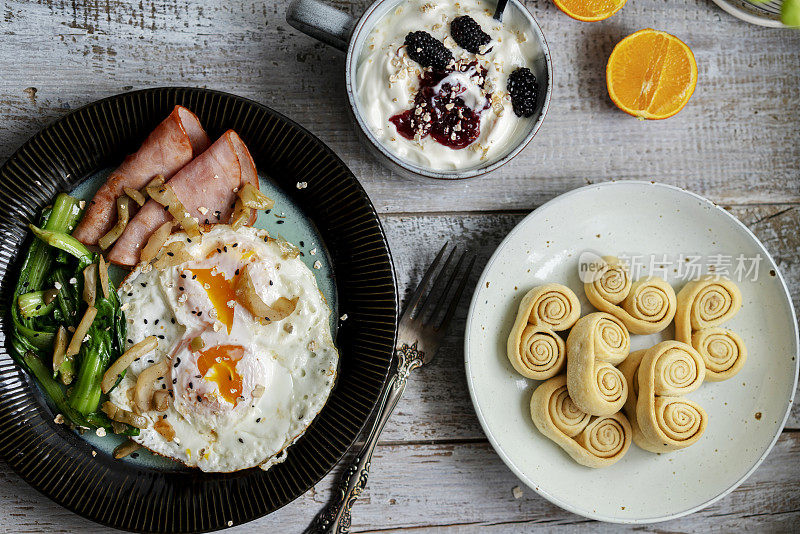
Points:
(737, 143)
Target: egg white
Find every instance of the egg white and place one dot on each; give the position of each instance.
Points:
(287, 367)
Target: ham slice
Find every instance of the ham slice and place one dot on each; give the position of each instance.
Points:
(173, 144)
(207, 189)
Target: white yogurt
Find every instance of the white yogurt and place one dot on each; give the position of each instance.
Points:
(387, 81)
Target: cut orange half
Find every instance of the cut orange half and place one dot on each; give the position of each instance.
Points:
(589, 10)
(651, 74)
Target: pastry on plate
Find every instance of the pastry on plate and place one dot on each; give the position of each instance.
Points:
(703, 305)
(534, 348)
(597, 343)
(591, 441)
(658, 378)
(645, 306)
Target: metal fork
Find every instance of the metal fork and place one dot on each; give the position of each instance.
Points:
(422, 328)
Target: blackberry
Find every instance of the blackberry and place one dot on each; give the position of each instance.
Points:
(423, 48)
(468, 34)
(524, 91)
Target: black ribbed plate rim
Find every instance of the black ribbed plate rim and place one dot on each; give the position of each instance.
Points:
(57, 462)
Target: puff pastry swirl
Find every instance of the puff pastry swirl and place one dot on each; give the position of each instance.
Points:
(646, 306)
(597, 343)
(534, 348)
(591, 441)
(661, 418)
(703, 305)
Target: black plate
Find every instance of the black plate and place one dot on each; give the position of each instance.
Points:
(59, 463)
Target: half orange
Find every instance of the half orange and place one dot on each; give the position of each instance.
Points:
(589, 10)
(651, 74)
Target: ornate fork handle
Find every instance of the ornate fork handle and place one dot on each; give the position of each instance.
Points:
(335, 518)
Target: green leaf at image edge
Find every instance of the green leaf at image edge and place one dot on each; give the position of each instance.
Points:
(790, 13)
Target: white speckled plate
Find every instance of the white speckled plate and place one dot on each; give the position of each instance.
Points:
(746, 413)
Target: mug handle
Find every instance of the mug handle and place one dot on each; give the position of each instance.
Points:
(322, 22)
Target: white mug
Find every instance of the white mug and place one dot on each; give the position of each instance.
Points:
(340, 30)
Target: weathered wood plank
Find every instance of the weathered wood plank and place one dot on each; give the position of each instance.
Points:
(736, 142)
(461, 487)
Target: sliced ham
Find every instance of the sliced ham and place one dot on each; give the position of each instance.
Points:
(173, 144)
(207, 189)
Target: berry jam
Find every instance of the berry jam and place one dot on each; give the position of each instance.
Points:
(440, 110)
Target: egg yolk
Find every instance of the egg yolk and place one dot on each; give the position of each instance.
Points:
(218, 365)
(220, 291)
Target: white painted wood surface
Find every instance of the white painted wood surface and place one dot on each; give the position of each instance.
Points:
(737, 142)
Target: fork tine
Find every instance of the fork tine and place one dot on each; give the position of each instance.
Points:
(451, 310)
(443, 297)
(437, 284)
(415, 297)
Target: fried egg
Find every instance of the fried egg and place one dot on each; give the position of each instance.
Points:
(241, 388)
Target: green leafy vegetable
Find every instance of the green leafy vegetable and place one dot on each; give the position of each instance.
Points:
(790, 13)
(65, 242)
(34, 304)
(48, 297)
